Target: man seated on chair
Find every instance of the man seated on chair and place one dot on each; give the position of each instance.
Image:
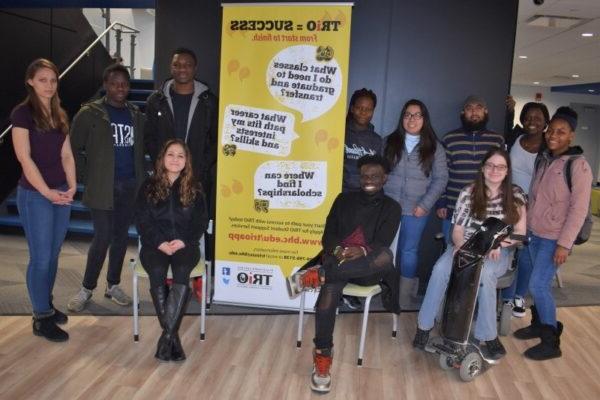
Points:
(358, 232)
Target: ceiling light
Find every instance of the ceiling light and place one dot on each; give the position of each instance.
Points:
(575, 76)
(554, 21)
(536, 83)
(587, 34)
(523, 57)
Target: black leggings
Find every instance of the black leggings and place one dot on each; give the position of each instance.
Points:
(110, 234)
(182, 262)
(366, 270)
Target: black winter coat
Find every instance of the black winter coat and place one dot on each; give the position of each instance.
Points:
(169, 219)
(202, 129)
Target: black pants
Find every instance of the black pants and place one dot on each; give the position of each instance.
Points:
(110, 230)
(369, 270)
(156, 263)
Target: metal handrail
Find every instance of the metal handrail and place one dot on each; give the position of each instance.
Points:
(83, 53)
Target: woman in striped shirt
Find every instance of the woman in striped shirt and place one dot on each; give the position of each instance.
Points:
(491, 195)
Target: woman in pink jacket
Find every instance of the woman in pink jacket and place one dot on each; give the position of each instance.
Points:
(555, 216)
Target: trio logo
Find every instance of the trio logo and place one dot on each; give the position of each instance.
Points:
(226, 272)
(254, 279)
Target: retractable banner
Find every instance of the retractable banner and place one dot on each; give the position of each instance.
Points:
(284, 70)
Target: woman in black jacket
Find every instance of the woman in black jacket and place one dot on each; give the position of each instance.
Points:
(171, 218)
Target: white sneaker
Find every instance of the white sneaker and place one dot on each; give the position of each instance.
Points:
(320, 380)
(116, 294)
(519, 307)
(80, 300)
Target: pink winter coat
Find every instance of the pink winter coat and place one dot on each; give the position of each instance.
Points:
(554, 212)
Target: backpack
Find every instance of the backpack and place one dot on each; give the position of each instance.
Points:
(586, 229)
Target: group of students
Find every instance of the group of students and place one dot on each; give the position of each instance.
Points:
(104, 148)
(542, 188)
(388, 183)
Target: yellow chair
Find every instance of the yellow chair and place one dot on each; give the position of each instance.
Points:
(199, 271)
(351, 289)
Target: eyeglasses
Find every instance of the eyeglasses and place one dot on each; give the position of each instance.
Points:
(416, 116)
(490, 167)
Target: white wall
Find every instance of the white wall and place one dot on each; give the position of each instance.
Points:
(139, 19)
(553, 100)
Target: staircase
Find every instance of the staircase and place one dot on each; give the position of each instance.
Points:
(80, 215)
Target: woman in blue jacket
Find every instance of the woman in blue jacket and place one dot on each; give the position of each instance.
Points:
(418, 178)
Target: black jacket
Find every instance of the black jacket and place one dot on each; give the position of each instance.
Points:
(169, 220)
(377, 214)
(201, 133)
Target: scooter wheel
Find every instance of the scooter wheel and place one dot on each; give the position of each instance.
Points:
(470, 367)
(446, 362)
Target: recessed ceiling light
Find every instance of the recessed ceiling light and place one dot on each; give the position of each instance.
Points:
(587, 34)
(575, 76)
(523, 57)
(536, 83)
(591, 90)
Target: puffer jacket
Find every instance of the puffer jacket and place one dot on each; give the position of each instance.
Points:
(408, 184)
(555, 212)
(169, 219)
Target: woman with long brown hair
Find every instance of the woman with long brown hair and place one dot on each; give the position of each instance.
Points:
(418, 178)
(491, 195)
(171, 217)
(46, 189)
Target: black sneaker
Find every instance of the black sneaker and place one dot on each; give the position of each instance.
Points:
(352, 302)
(421, 339)
(47, 328)
(495, 349)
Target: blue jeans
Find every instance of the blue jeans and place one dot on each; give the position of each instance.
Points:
(447, 230)
(411, 230)
(485, 325)
(45, 225)
(542, 273)
(520, 284)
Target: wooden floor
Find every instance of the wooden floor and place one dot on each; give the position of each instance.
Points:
(254, 357)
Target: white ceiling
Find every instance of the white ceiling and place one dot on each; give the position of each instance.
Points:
(555, 54)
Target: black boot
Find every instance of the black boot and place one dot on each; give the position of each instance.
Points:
(421, 339)
(47, 328)
(175, 310)
(59, 316)
(550, 345)
(532, 331)
(159, 299)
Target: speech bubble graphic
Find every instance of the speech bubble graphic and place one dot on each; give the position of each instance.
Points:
(291, 184)
(259, 130)
(320, 136)
(233, 66)
(244, 73)
(299, 81)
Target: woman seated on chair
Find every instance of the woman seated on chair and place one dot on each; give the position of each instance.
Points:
(170, 218)
(358, 232)
(491, 195)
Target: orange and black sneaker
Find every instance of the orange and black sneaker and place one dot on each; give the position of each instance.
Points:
(321, 378)
(303, 280)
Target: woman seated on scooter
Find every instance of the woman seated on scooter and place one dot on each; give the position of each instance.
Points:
(491, 195)
(171, 218)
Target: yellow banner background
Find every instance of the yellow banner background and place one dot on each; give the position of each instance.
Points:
(282, 109)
